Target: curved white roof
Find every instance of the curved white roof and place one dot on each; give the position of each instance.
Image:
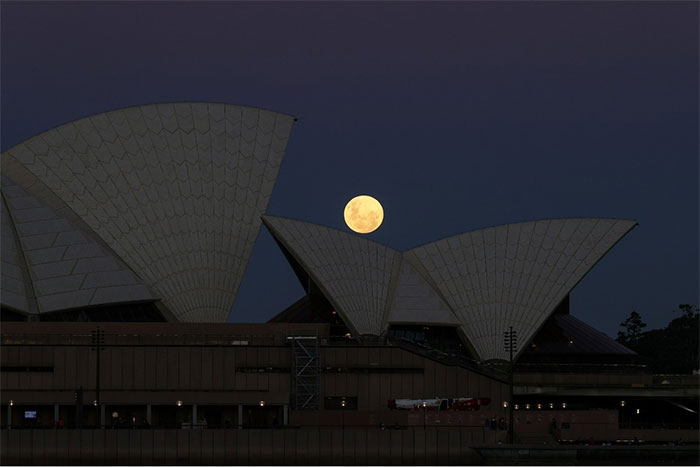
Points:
(67, 268)
(415, 301)
(174, 190)
(516, 274)
(13, 290)
(353, 272)
(482, 281)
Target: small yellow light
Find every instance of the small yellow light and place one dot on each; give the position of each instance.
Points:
(262, 403)
(637, 411)
(179, 403)
(551, 405)
(516, 407)
(12, 402)
(94, 403)
(622, 403)
(505, 404)
(563, 405)
(539, 406)
(527, 406)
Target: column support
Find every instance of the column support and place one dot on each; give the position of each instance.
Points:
(194, 415)
(285, 414)
(148, 414)
(240, 416)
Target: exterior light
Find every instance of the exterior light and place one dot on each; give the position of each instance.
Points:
(115, 414)
(342, 403)
(622, 403)
(12, 402)
(179, 403)
(539, 406)
(563, 405)
(516, 407)
(551, 405)
(424, 404)
(571, 342)
(527, 406)
(94, 403)
(262, 403)
(637, 411)
(505, 404)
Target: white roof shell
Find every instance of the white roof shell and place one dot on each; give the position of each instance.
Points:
(67, 268)
(516, 274)
(174, 191)
(482, 281)
(353, 272)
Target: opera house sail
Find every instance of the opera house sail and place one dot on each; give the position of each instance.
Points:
(155, 203)
(481, 282)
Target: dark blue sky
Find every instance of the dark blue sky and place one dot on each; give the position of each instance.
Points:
(456, 116)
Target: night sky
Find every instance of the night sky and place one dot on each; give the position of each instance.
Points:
(456, 116)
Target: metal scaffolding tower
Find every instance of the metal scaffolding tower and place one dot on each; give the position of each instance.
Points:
(306, 382)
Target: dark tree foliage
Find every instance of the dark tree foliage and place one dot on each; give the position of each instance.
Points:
(672, 350)
(633, 328)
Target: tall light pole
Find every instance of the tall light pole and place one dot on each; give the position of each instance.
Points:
(98, 340)
(510, 343)
(342, 406)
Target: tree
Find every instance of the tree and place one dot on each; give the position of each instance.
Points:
(674, 349)
(687, 310)
(633, 328)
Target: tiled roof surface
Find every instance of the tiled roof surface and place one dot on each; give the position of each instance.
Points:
(354, 273)
(515, 274)
(175, 190)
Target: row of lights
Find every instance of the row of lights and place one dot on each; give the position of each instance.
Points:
(538, 406)
(424, 404)
(179, 403)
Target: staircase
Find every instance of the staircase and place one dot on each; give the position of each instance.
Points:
(306, 380)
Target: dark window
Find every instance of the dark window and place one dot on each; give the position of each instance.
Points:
(23, 369)
(366, 370)
(249, 369)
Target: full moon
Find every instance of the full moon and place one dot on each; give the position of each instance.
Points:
(363, 214)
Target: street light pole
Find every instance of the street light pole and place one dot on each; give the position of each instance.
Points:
(98, 340)
(342, 406)
(510, 344)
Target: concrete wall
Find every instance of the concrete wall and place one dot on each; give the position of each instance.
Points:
(240, 447)
(161, 364)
